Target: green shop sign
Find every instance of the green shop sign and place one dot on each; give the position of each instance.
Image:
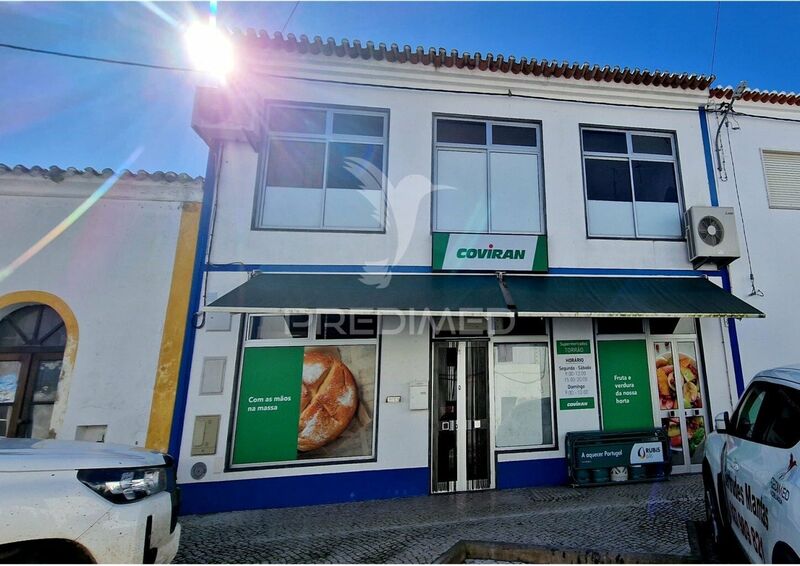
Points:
(624, 384)
(487, 252)
(269, 405)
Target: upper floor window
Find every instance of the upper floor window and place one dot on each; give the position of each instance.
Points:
(487, 177)
(781, 170)
(631, 184)
(323, 169)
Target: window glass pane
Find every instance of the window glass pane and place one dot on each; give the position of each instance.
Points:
(46, 386)
(514, 192)
(652, 144)
(619, 325)
(292, 208)
(5, 416)
(456, 131)
(57, 338)
(610, 218)
(654, 181)
(355, 166)
(607, 142)
(346, 208)
(672, 326)
(295, 164)
(40, 425)
(748, 414)
(608, 180)
(520, 326)
(522, 395)
(297, 120)
(446, 326)
(513, 135)
(9, 377)
(337, 326)
(50, 320)
(782, 428)
(9, 337)
(358, 125)
(461, 200)
(279, 327)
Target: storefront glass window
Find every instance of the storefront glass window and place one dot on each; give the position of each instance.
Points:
(520, 326)
(279, 327)
(672, 326)
(313, 402)
(522, 394)
(619, 325)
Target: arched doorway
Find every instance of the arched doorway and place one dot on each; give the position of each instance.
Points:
(32, 342)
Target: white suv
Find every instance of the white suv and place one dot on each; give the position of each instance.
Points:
(66, 501)
(750, 470)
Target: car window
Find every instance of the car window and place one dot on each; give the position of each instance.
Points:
(745, 419)
(781, 417)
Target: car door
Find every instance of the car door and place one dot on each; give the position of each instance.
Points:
(742, 449)
(771, 477)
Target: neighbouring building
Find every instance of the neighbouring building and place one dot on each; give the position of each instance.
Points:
(95, 270)
(756, 148)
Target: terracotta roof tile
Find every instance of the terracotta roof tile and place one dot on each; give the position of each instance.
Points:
(755, 95)
(489, 62)
(57, 174)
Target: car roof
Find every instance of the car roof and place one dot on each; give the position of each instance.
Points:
(790, 374)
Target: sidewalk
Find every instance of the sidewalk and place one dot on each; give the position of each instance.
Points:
(649, 517)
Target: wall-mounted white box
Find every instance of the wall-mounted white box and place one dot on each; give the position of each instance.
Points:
(212, 380)
(418, 397)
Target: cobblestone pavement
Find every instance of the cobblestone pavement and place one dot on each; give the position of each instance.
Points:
(646, 517)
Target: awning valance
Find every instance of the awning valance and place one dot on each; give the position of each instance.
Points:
(297, 293)
(466, 295)
(625, 296)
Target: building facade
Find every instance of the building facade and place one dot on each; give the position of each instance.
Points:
(418, 271)
(92, 301)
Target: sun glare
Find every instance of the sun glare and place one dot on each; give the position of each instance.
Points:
(209, 49)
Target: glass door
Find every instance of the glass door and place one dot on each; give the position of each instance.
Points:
(680, 405)
(460, 437)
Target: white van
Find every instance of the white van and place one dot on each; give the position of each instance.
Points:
(83, 502)
(751, 473)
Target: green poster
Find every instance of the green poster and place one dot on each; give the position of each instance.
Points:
(269, 405)
(624, 384)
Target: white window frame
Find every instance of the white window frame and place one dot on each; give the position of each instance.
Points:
(489, 148)
(631, 156)
(327, 138)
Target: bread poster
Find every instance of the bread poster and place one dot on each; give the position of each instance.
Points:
(305, 403)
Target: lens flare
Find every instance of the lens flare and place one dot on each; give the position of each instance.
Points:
(209, 49)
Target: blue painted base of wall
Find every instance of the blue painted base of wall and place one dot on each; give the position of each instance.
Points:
(531, 473)
(296, 491)
(319, 489)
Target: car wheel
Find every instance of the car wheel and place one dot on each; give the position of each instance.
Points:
(713, 517)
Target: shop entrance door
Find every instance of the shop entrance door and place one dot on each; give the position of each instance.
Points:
(461, 456)
(679, 399)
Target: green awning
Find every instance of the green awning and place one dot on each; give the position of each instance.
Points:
(624, 296)
(300, 293)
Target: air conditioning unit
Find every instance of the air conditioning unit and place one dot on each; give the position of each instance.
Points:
(220, 115)
(711, 235)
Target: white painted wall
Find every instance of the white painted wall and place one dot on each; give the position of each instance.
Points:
(772, 236)
(113, 269)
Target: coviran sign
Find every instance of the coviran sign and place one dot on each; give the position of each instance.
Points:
(487, 252)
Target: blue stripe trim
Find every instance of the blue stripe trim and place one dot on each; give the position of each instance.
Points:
(285, 267)
(312, 268)
(528, 473)
(712, 181)
(734, 340)
(182, 391)
(295, 491)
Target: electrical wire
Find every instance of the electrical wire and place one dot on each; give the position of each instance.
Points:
(286, 23)
(98, 59)
(714, 48)
(754, 292)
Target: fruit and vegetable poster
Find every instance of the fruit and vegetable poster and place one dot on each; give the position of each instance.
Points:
(305, 403)
(624, 384)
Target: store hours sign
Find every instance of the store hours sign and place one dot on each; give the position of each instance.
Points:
(575, 374)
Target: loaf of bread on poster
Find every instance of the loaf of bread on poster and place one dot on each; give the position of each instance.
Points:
(328, 401)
